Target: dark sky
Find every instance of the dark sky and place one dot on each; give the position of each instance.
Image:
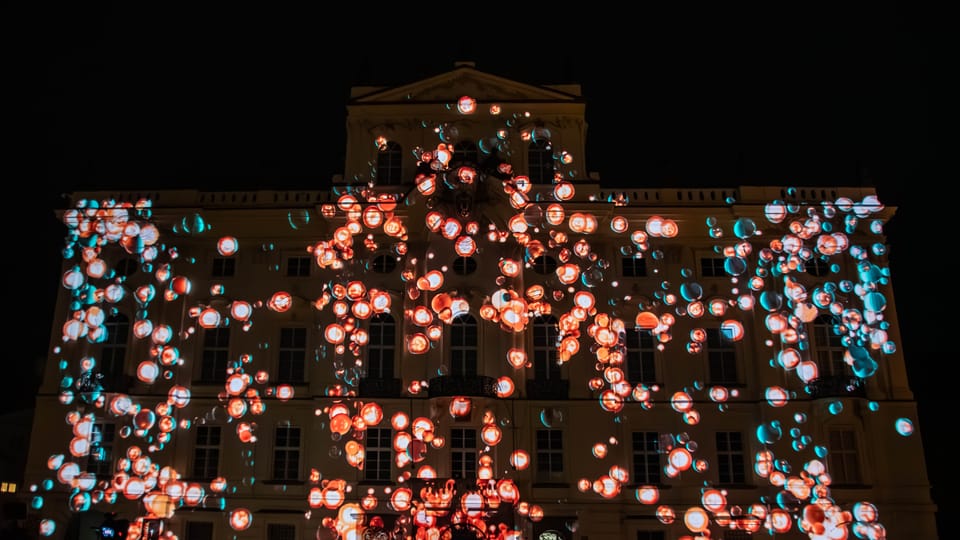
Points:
(229, 98)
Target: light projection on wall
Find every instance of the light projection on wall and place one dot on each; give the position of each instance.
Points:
(763, 259)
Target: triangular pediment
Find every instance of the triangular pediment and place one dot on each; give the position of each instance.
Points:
(464, 81)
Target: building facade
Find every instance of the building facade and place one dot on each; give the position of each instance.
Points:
(465, 336)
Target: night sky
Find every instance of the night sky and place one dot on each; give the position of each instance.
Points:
(226, 98)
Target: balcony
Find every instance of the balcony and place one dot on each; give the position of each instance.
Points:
(555, 389)
(381, 388)
(449, 385)
(837, 386)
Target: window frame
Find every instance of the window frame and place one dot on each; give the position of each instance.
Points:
(212, 355)
(540, 166)
(827, 348)
(379, 454)
(722, 356)
(103, 466)
(729, 471)
(390, 164)
(641, 453)
(640, 358)
(545, 334)
(461, 450)
(301, 269)
(203, 446)
(847, 456)
(287, 453)
(382, 346)
(716, 268)
(549, 457)
(464, 353)
(286, 354)
(633, 267)
(223, 267)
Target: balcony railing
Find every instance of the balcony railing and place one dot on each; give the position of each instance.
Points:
(836, 386)
(449, 385)
(381, 388)
(548, 388)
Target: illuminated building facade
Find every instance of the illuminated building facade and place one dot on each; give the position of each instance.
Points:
(442, 346)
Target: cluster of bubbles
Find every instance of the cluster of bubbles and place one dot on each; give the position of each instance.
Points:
(765, 277)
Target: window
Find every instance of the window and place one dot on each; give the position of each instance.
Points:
(378, 454)
(828, 347)
(646, 457)
(100, 461)
(549, 454)
(650, 535)
(463, 453)
(278, 531)
(389, 171)
(126, 267)
(540, 162)
(199, 530)
(641, 365)
(817, 267)
(114, 352)
(464, 265)
(545, 334)
(298, 266)
(844, 459)
(293, 355)
(463, 346)
(712, 267)
(544, 264)
(733, 534)
(380, 347)
(286, 453)
(216, 350)
(730, 462)
(383, 264)
(223, 267)
(634, 266)
(722, 358)
(465, 152)
(206, 453)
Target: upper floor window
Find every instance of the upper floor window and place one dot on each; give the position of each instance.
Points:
(540, 162)
(721, 357)
(383, 264)
(641, 359)
(651, 535)
(292, 355)
(464, 265)
(544, 264)
(223, 266)
(730, 458)
(844, 458)
(126, 267)
(286, 453)
(113, 352)
(828, 347)
(215, 356)
(465, 152)
(206, 453)
(281, 531)
(389, 170)
(545, 334)
(463, 346)
(646, 457)
(816, 266)
(199, 530)
(380, 346)
(463, 453)
(713, 267)
(378, 454)
(298, 266)
(634, 266)
(100, 463)
(549, 444)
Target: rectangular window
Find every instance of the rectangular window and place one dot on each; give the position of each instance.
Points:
(292, 355)
(113, 354)
(298, 266)
(844, 459)
(463, 347)
(281, 531)
(730, 458)
(549, 455)
(199, 530)
(100, 461)
(380, 347)
(223, 267)
(712, 267)
(463, 453)
(206, 453)
(817, 267)
(214, 359)
(650, 535)
(378, 454)
(828, 347)
(646, 457)
(634, 266)
(545, 364)
(641, 367)
(722, 358)
(286, 453)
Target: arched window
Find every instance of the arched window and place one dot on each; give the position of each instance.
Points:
(828, 347)
(465, 152)
(114, 351)
(463, 346)
(540, 162)
(389, 161)
(545, 333)
(380, 348)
